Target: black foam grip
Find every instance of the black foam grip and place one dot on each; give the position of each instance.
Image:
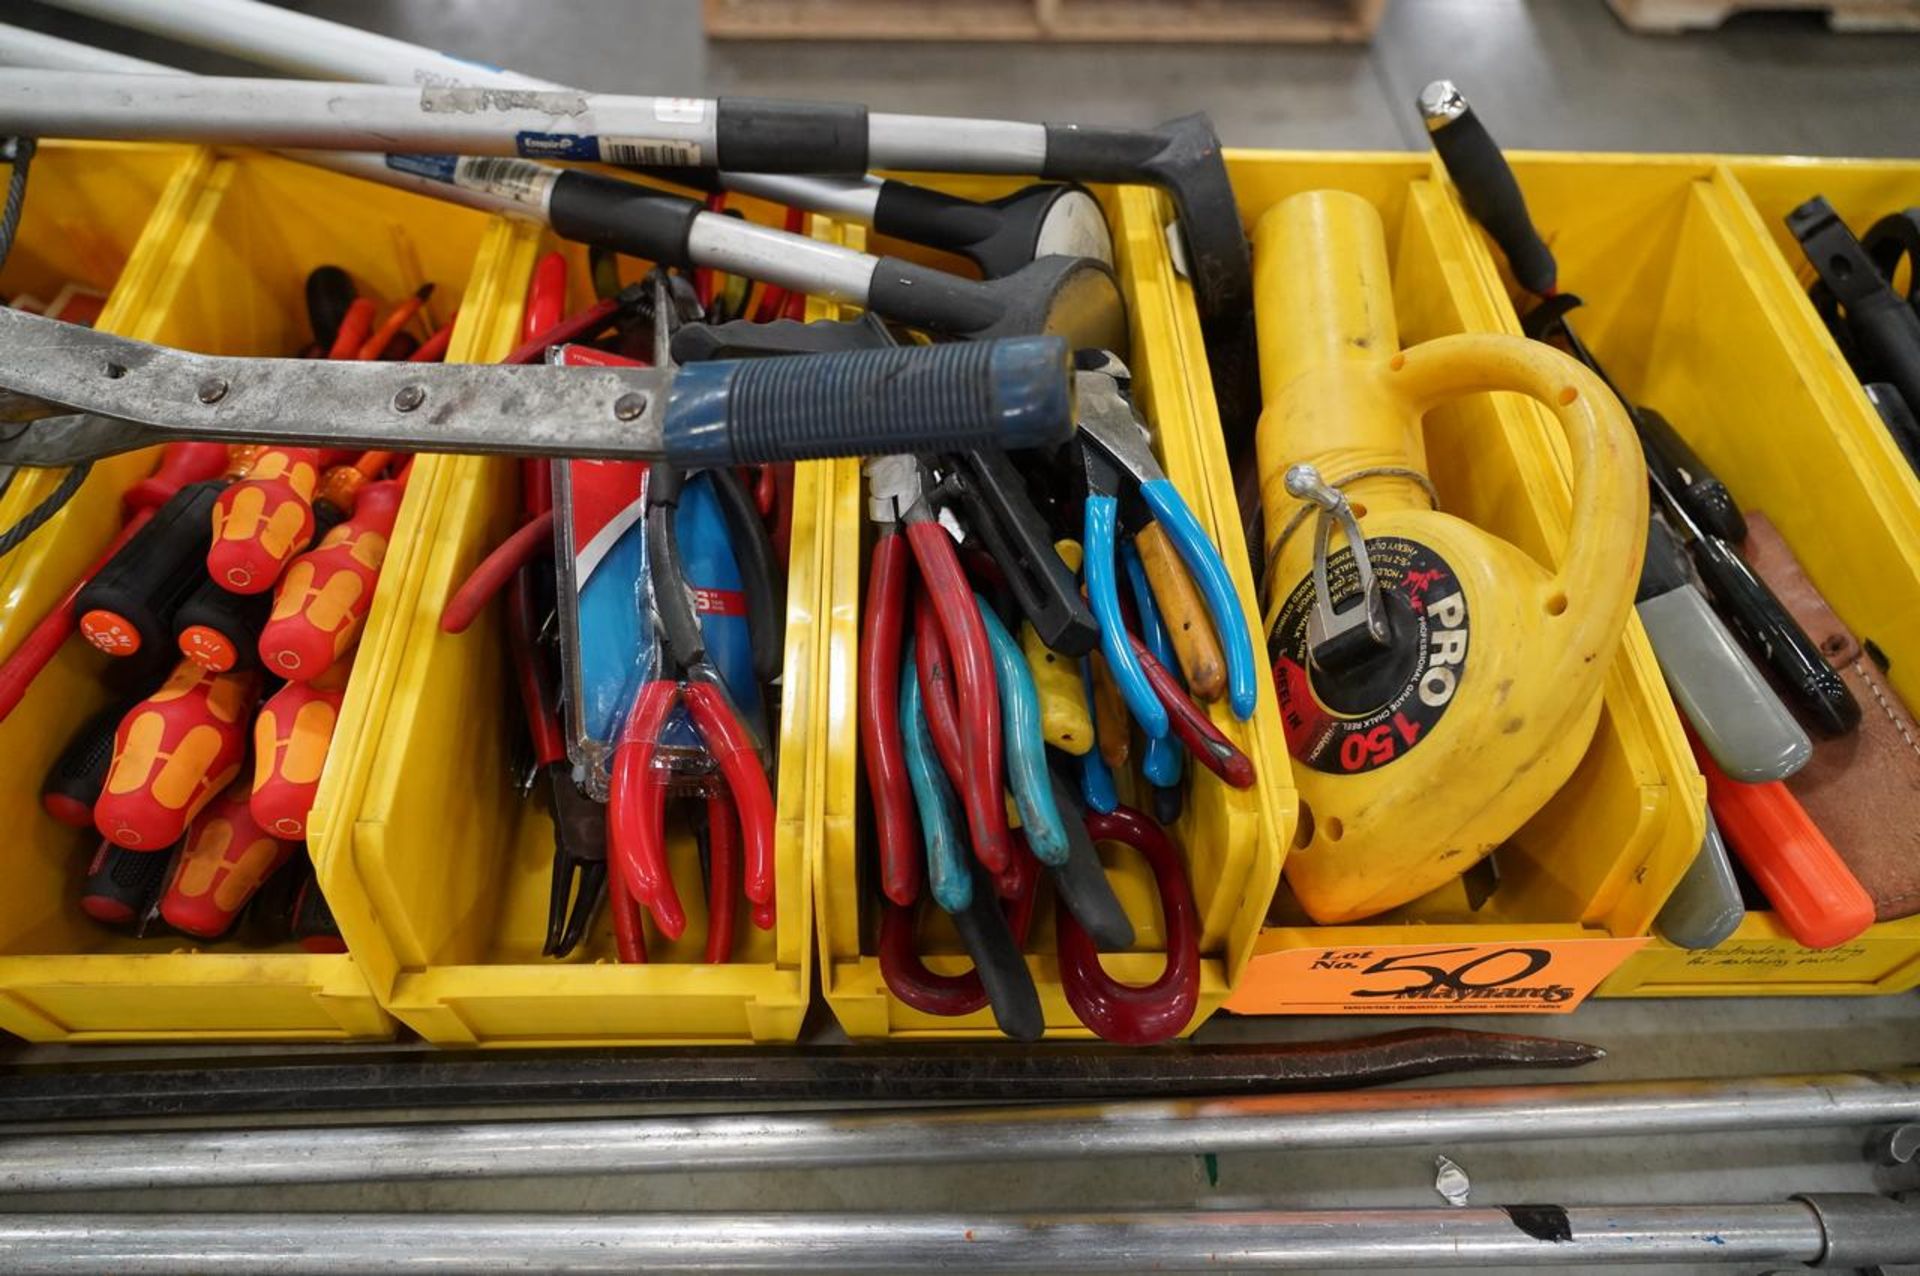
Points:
(605, 212)
(74, 781)
(1491, 194)
(146, 581)
(122, 885)
(774, 135)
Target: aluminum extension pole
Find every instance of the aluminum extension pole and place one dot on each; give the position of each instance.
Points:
(1842, 1231)
(22, 48)
(301, 44)
(1291, 1122)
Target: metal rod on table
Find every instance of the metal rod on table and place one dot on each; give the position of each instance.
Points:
(1296, 1122)
(1865, 1229)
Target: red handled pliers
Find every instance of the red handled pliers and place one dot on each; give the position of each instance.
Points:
(1130, 1014)
(899, 506)
(640, 779)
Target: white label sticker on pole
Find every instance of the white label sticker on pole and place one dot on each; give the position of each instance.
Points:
(661, 151)
(679, 110)
(521, 181)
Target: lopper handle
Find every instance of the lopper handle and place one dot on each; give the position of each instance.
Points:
(1817, 897)
(291, 737)
(223, 862)
(262, 521)
(957, 397)
(1487, 186)
(172, 753)
(323, 601)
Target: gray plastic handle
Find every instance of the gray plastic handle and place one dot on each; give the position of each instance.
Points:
(1705, 907)
(1746, 728)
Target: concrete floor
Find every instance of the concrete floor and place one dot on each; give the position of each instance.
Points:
(1559, 74)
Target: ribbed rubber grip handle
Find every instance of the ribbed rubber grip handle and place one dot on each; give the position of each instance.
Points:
(1012, 393)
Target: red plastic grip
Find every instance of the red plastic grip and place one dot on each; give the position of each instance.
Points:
(882, 752)
(180, 464)
(1818, 899)
(291, 737)
(226, 857)
(262, 521)
(172, 753)
(324, 598)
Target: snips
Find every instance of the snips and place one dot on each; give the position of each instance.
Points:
(1120, 469)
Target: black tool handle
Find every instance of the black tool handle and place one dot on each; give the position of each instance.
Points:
(743, 339)
(1688, 478)
(74, 781)
(1002, 514)
(1011, 393)
(122, 886)
(997, 958)
(1082, 883)
(1897, 415)
(220, 630)
(1487, 185)
(129, 605)
(1774, 638)
(330, 292)
(1885, 329)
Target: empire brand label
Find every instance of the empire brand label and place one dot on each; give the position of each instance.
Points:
(1330, 742)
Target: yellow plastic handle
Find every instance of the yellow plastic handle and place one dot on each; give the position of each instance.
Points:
(1609, 516)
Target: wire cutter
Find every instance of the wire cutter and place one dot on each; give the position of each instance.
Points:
(898, 498)
(958, 883)
(1114, 448)
(640, 777)
(1130, 1014)
(1051, 820)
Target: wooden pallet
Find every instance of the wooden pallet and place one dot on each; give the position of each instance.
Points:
(1667, 17)
(1087, 21)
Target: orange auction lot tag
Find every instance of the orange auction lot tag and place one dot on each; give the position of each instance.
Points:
(1550, 976)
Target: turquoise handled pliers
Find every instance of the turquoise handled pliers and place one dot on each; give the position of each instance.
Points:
(1026, 743)
(1114, 448)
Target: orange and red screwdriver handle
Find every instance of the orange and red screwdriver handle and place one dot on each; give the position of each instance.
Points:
(225, 859)
(323, 601)
(264, 519)
(172, 753)
(291, 736)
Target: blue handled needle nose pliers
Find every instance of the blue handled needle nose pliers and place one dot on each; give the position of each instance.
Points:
(1115, 449)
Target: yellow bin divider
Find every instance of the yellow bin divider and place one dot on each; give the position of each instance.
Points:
(103, 215)
(1234, 840)
(436, 869)
(222, 271)
(1600, 858)
(1696, 302)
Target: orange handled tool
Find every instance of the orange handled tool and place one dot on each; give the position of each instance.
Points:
(1819, 900)
(290, 741)
(324, 599)
(172, 753)
(226, 857)
(263, 520)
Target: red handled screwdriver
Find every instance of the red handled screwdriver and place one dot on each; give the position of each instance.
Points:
(291, 737)
(323, 602)
(172, 753)
(222, 863)
(262, 521)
